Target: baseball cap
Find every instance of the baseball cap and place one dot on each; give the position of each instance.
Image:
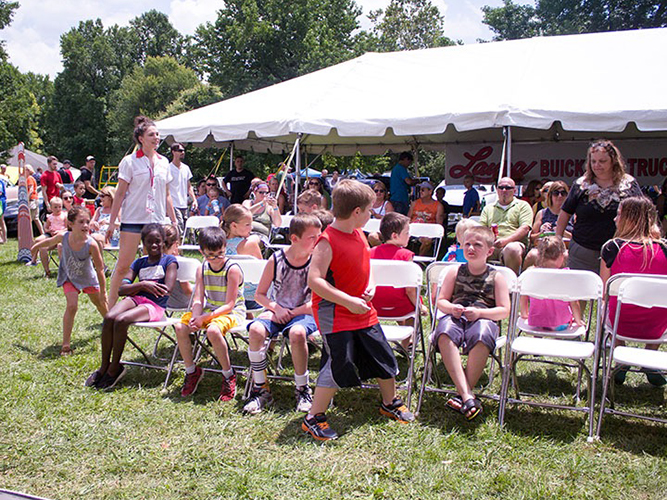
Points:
(425, 184)
(90, 157)
(67, 162)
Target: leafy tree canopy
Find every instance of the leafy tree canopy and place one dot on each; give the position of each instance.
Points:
(6, 12)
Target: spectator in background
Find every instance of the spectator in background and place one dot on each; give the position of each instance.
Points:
(3, 173)
(3, 206)
(471, 205)
(239, 181)
(87, 177)
(180, 187)
(309, 201)
(38, 175)
(446, 208)
(533, 195)
(274, 183)
(316, 184)
(661, 203)
(426, 210)
(65, 172)
(400, 182)
(33, 198)
(51, 182)
(513, 219)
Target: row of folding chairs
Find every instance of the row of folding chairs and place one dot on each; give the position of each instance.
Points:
(436, 232)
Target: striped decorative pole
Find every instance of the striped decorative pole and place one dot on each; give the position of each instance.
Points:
(24, 223)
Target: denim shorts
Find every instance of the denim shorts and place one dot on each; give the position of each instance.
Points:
(273, 328)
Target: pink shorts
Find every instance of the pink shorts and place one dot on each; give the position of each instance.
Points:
(155, 312)
(69, 288)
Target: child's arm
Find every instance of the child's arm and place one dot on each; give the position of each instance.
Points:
(369, 293)
(576, 312)
(502, 309)
(121, 189)
(525, 306)
(94, 223)
(198, 301)
(48, 242)
(47, 224)
(446, 292)
(234, 280)
(280, 314)
(98, 262)
(317, 282)
(250, 246)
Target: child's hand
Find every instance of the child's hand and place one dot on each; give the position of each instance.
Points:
(369, 293)
(423, 310)
(358, 305)
(281, 315)
(196, 322)
(457, 310)
(155, 288)
(472, 313)
(524, 314)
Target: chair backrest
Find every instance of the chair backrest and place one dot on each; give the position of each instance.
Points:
(372, 226)
(614, 283)
(560, 284)
(643, 292)
(423, 230)
(285, 221)
(508, 274)
(252, 269)
(396, 273)
(198, 222)
(187, 269)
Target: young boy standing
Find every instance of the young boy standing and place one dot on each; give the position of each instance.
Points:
(218, 306)
(354, 346)
(473, 297)
(290, 312)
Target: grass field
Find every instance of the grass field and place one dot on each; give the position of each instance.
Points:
(61, 440)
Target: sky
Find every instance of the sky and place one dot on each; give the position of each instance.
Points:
(33, 38)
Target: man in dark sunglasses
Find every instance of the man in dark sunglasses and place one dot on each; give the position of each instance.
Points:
(179, 186)
(511, 220)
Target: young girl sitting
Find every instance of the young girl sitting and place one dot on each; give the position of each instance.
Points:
(214, 205)
(455, 252)
(180, 295)
(550, 314)
(636, 248)
(237, 223)
(100, 222)
(145, 301)
(76, 272)
(56, 223)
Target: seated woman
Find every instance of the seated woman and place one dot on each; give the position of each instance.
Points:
(264, 210)
(426, 210)
(317, 184)
(380, 207)
(274, 184)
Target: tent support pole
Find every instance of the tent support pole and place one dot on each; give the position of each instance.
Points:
(231, 156)
(509, 151)
(298, 170)
(501, 169)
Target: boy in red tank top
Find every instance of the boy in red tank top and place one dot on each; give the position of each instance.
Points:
(355, 348)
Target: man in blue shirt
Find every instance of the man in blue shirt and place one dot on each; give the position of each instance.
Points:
(471, 197)
(399, 182)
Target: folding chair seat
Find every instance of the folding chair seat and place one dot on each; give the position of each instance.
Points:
(434, 231)
(192, 226)
(435, 274)
(187, 271)
(571, 347)
(372, 226)
(643, 291)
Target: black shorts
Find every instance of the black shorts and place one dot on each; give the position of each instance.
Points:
(350, 357)
(131, 228)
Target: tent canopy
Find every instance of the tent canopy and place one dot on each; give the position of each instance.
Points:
(546, 88)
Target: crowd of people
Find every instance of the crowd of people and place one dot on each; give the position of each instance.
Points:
(322, 280)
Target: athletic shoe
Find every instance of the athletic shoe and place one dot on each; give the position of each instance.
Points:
(304, 398)
(259, 399)
(228, 389)
(318, 427)
(108, 382)
(398, 411)
(93, 380)
(192, 382)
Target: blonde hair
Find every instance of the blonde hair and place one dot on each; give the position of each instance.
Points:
(109, 191)
(309, 198)
(483, 232)
(462, 226)
(638, 223)
(549, 248)
(349, 195)
(617, 162)
(553, 186)
(234, 213)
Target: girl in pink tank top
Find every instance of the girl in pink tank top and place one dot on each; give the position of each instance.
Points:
(550, 314)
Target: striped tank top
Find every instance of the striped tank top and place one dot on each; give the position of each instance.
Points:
(215, 290)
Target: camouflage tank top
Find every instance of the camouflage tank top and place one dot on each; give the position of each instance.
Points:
(475, 290)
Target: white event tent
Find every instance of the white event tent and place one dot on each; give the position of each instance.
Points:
(543, 89)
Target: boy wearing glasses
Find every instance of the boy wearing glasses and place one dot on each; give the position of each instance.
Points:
(218, 306)
(513, 219)
(180, 187)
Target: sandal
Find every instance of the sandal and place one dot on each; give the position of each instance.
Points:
(471, 408)
(66, 351)
(455, 404)
(654, 378)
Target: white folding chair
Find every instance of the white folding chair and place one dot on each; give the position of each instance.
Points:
(372, 226)
(641, 291)
(401, 274)
(285, 221)
(187, 271)
(573, 344)
(192, 225)
(435, 274)
(434, 231)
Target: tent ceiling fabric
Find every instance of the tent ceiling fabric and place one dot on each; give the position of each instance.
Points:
(563, 87)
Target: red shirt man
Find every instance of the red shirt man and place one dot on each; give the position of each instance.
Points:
(51, 181)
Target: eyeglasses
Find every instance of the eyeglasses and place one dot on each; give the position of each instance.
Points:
(215, 256)
(506, 188)
(560, 192)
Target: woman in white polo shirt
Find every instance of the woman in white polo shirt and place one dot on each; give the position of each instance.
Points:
(143, 195)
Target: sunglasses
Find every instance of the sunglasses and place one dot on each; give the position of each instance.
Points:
(179, 150)
(67, 197)
(379, 190)
(262, 192)
(506, 188)
(313, 183)
(212, 184)
(561, 192)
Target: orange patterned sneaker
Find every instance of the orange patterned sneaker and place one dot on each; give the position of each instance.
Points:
(318, 427)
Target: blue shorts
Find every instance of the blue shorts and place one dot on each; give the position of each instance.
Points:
(304, 320)
(131, 228)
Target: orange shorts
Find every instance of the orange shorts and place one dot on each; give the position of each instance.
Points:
(225, 322)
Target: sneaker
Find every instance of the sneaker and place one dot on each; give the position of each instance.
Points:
(228, 389)
(318, 427)
(304, 398)
(192, 382)
(259, 399)
(108, 382)
(93, 380)
(398, 411)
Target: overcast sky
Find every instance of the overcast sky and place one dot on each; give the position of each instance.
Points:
(33, 38)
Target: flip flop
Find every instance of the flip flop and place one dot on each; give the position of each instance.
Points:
(471, 408)
(66, 351)
(455, 404)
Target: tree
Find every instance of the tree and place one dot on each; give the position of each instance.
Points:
(559, 17)
(192, 98)
(255, 43)
(18, 109)
(408, 25)
(6, 12)
(155, 36)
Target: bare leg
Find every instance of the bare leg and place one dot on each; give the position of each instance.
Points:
(217, 340)
(476, 363)
(96, 299)
(321, 399)
(108, 331)
(121, 326)
(184, 344)
(452, 360)
(129, 242)
(68, 318)
(297, 340)
(387, 390)
(512, 256)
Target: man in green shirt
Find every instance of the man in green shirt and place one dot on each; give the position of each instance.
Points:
(514, 219)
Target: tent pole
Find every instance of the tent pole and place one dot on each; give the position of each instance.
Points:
(509, 151)
(231, 156)
(502, 156)
(298, 170)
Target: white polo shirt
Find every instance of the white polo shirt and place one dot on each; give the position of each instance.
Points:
(146, 197)
(178, 187)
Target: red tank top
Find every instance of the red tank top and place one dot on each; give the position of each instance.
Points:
(349, 272)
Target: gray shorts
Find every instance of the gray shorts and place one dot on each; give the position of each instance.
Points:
(465, 334)
(583, 259)
(181, 217)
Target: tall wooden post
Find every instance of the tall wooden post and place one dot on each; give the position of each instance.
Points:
(24, 222)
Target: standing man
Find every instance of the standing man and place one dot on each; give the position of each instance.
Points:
(33, 202)
(51, 182)
(400, 182)
(239, 181)
(86, 177)
(470, 198)
(66, 173)
(180, 187)
(512, 219)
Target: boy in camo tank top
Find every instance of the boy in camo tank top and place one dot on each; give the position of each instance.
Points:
(473, 297)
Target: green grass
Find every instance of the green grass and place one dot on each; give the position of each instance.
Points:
(61, 440)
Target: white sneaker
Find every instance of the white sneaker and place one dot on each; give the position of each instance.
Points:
(258, 400)
(304, 399)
